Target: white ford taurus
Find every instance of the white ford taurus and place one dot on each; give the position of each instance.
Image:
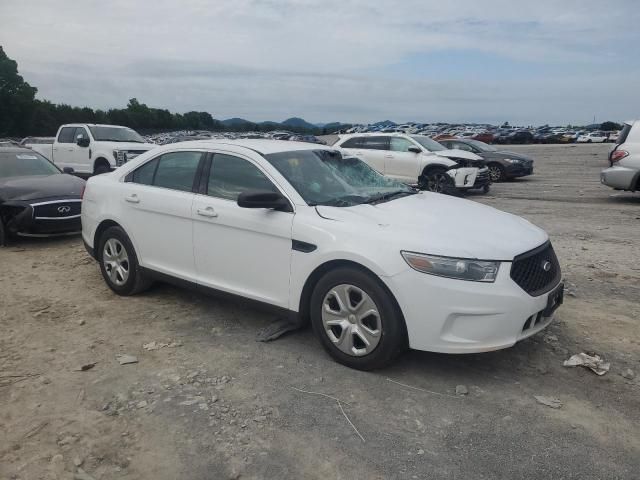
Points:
(373, 264)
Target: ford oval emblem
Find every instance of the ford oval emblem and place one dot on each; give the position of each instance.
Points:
(546, 265)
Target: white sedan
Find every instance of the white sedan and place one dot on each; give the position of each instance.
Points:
(593, 137)
(373, 264)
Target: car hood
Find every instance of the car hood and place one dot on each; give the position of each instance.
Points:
(128, 145)
(505, 154)
(39, 187)
(441, 225)
(455, 153)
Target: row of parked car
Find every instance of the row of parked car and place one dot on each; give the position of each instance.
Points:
(492, 134)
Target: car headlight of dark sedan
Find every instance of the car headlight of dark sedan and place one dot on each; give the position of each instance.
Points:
(514, 160)
(458, 268)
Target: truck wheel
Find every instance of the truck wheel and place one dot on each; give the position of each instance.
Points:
(102, 166)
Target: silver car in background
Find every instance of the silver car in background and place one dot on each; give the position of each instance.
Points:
(624, 160)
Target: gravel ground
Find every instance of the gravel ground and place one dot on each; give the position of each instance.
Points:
(208, 401)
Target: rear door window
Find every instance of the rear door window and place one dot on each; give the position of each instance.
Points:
(375, 143)
(177, 170)
(352, 143)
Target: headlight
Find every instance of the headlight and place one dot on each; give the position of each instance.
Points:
(459, 268)
(513, 160)
(120, 157)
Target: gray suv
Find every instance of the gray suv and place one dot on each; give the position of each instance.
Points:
(624, 160)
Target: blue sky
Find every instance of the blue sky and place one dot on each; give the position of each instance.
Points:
(349, 60)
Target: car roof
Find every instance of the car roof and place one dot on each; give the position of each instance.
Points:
(261, 145)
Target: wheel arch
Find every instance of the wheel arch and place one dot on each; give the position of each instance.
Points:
(315, 276)
(99, 160)
(102, 227)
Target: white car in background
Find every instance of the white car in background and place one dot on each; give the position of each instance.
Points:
(373, 264)
(624, 160)
(592, 137)
(417, 160)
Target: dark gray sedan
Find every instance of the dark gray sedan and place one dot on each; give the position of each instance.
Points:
(502, 165)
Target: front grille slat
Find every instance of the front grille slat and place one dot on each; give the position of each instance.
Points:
(527, 270)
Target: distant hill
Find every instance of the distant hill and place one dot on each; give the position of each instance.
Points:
(296, 122)
(386, 123)
(235, 121)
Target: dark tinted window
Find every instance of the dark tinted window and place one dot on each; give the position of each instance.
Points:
(375, 143)
(177, 170)
(352, 143)
(144, 174)
(230, 176)
(66, 135)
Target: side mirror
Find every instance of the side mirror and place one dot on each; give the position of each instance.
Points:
(82, 141)
(68, 170)
(264, 199)
(414, 150)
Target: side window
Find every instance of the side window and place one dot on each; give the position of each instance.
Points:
(462, 146)
(230, 176)
(375, 143)
(66, 135)
(352, 143)
(144, 174)
(80, 131)
(399, 144)
(177, 170)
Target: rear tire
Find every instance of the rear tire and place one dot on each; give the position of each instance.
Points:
(357, 320)
(119, 263)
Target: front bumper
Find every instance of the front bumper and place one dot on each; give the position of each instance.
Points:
(455, 316)
(44, 218)
(619, 177)
(513, 170)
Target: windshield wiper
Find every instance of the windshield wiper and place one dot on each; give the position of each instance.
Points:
(346, 201)
(385, 197)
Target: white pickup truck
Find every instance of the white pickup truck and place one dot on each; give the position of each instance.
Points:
(93, 149)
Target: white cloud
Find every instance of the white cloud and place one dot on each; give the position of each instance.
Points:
(323, 60)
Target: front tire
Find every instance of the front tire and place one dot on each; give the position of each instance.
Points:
(101, 167)
(119, 263)
(356, 319)
(496, 172)
(437, 180)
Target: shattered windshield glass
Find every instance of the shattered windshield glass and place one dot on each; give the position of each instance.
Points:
(324, 177)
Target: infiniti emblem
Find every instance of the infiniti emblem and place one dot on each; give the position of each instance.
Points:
(546, 265)
(64, 209)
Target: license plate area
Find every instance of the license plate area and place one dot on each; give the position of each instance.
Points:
(554, 300)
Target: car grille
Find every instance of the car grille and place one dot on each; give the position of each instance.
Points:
(57, 210)
(528, 270)
(464, 163)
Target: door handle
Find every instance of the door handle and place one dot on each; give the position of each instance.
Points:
(133, 198)
(207, 212)
(388, 156)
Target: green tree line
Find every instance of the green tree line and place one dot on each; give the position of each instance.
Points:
(21, 114)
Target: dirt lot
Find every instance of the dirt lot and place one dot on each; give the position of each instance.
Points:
(214, 403)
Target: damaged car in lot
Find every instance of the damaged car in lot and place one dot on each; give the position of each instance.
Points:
(418, 160)
(502, 165)
(36, 198)
(374, 265)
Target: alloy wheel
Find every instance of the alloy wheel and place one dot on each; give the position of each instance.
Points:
(495, 173)
(438, 182)
(116, 261)
(351, 320)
